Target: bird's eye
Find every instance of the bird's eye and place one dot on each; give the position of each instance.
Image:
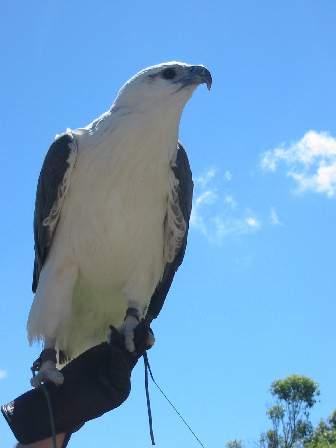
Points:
(169, 73)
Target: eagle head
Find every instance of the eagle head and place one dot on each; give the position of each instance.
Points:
(163, 85)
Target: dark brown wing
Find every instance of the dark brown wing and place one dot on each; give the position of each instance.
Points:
(53, 184)
(185, 192)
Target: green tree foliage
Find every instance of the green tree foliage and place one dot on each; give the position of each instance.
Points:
(234, 444)
(291, 427)
(296, 390)
(290, 418)
(324, 435)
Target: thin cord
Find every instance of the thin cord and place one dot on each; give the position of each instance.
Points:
(149, 410)
(147, 366)
(51, 415)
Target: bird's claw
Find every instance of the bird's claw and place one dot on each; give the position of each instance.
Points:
(48, 373)
(127, 330)
(129, 325)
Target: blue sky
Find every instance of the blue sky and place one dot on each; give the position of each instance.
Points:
(254, 300)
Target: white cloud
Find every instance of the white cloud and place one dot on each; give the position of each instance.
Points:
(322, 181)
(274, 218)
(3, 374)
(207, 197)
(252, 222)
(215, 212)
(205, 178)
(222, 226)
(311, 162)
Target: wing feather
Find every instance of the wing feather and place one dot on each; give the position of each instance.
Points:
(53, 185)
(176, 229)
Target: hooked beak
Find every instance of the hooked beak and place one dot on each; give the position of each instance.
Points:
(195, 75)
(200, 75)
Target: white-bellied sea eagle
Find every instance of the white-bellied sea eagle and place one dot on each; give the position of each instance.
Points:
(111, 219)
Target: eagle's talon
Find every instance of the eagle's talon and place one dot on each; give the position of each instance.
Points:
(129, 325)
(129, 343)
(48, 373)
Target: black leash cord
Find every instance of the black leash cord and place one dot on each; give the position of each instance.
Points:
(149, 410)
(51, 415)
(150, 419)
(148, 369)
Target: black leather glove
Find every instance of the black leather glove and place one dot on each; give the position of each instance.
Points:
(94, 383)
